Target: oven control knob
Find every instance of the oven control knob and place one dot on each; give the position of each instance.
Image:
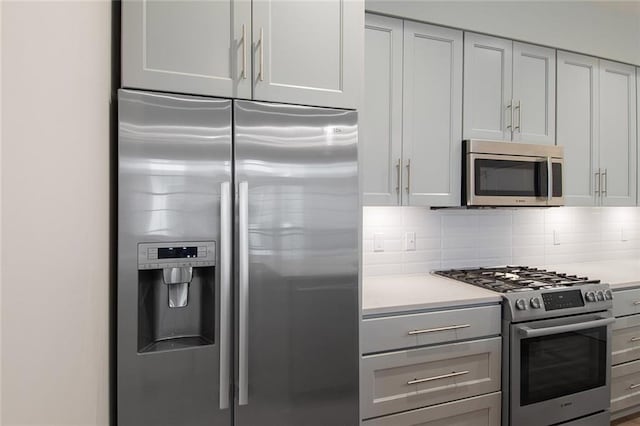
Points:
(591, 296)
(600, 295)
(521, 304)
(608, 295)
(535, 303)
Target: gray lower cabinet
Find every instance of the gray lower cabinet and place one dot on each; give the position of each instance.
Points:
(625, 374)
(481, 410)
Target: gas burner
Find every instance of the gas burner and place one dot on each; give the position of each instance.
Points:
(507, 279)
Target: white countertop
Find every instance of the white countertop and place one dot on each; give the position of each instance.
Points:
(400, 293)
(619, 274)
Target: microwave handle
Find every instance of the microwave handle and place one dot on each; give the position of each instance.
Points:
(528, 332)
(549, 179)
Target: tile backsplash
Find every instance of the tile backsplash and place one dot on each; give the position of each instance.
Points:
(464, 238)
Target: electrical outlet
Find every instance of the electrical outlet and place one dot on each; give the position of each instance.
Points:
(378, 241)
(410, 241)
(556, 237)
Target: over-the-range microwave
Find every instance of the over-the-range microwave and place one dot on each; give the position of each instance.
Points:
(511, 174)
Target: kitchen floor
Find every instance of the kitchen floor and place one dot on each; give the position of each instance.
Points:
(633, 420)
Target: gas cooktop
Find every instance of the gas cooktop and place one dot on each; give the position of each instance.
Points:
(508, 279)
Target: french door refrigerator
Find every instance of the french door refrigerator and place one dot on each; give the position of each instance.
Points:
(237, 292)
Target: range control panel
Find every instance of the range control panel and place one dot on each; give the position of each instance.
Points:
(176, 254)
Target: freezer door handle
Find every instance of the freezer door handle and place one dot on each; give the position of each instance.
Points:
(225, 291)
(243, 278)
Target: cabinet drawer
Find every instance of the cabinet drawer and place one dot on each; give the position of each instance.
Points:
(626, 302)
(625, 386)
(626, 339)
(404, 380)
(480, 410)
(405, 331)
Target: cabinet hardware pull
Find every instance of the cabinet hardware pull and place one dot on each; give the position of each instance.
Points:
(637, 302)
(597, 191)
(605, 183)
(634, 386)
(398, 167)
(408, 176)
(444, 376)
(261, 54)
(433, 330)
(517, 107)
(244, 52)
(508, 108)
(634, 339)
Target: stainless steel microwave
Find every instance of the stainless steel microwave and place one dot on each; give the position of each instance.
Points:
(511, 174)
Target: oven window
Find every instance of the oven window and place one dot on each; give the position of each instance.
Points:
(562, 364)
(510, 178)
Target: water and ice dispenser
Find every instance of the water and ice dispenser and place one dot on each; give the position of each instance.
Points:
(176, 295)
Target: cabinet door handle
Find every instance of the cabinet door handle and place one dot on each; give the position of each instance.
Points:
(636, 303)
(444, 376)
(605, 183)
(398, 177)
(519, 108)
(634, 386)
(634, 339)
(433, 330)
(244, 52)
(261, 54)
(597, 183)
(508, 108)
(408, 188)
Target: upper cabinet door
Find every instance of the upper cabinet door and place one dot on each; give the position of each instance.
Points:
(578, 127)
(381, 114)
(308, 51)
(432, 108)
(187, 46)
(638, 125)
(534, 94)
(618, 133)
(487, 87)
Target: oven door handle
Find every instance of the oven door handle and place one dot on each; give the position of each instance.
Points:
(528, 332)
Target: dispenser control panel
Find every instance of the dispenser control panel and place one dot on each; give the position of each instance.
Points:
(176, 254)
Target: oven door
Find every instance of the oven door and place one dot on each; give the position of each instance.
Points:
(560, 369)
(513, 180)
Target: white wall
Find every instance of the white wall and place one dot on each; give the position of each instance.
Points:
(55, 212)
(608, 29)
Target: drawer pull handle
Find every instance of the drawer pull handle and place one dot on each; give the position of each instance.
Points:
(634, 386)
(634, 339)
(444, 376)
(433, 330)
(637, 302)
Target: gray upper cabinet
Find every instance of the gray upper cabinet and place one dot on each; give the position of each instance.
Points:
(487, 87)
(577, 109)
(509, 90)
(534, 93)
(432, 115)
(308, 52)
(303, 52)
(412, 114)
(187, 46)
(618, 133)
(381, 113)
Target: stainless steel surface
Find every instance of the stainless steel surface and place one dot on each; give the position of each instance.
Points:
(226, 237)
(300, 165)
(244, 51)
(549, 179)
(408, 188)
(546, 331)
(434, 330)
(475, 149)
(173, 151)
(261, 42)
(177, 275)
(444, 376)
(243, 286)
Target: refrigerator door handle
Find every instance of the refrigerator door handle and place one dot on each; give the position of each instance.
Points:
(243, 343)
(225, 291)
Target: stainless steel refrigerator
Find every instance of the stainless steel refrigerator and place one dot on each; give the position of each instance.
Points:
(237, 292)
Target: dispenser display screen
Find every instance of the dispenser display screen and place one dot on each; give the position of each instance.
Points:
(177, 252)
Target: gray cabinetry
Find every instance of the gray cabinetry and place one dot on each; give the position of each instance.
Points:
(596, 113)
(412, 114)
(414, 365)
(296, 52)
(625, 375)
(509, 90)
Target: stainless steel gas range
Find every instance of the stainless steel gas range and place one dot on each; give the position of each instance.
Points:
(556, 352)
